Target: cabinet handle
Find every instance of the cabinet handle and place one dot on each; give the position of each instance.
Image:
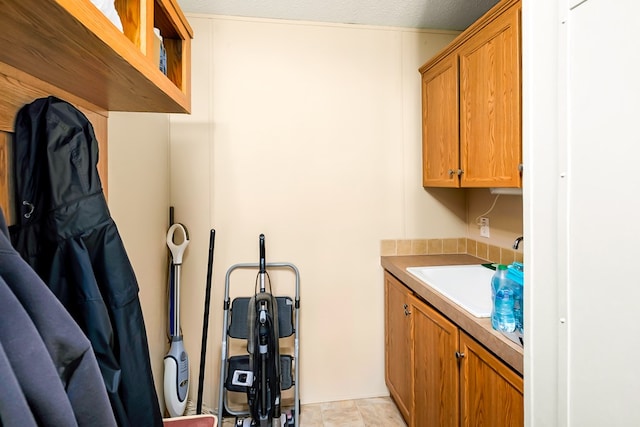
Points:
(520, 167)
(460, 172)
(459, 355)
(407, 311)
(451, 172)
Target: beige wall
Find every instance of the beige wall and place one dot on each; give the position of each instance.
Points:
(309, 133)
(505, 219)
(138, 201)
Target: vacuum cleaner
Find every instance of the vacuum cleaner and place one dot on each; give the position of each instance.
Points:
(176, 362)
(266, 369)
(263, 394)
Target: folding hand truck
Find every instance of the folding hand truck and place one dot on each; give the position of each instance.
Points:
(262, 373)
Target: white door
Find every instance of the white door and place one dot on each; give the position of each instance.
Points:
(602, 229)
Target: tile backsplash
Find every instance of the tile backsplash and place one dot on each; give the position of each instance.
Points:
(460, 245)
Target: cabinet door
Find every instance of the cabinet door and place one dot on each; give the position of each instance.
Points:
(435, 368)
(440, 157)
(491, 394)
(398, 361)
(490, 104)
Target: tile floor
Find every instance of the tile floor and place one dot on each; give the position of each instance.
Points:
(374, 412)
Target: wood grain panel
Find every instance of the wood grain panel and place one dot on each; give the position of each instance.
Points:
(491, 393)
(440, 154)
(435, 368)
(131, 18)
(18, 89)
(471, 31)
(398, 354)
(147, 8)
(490, 104)
(73, 46)
(6, 177)
(177, 42)
(167, 14)
(100, 128)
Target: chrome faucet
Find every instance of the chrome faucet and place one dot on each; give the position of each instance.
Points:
(516, 243)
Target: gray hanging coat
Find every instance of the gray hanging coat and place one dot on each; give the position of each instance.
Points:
(65, 232)
(52, 362)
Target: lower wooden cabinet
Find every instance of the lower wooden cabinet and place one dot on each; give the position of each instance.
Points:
(491, 394)
(435, 367)
(440, 376)
(398, 361)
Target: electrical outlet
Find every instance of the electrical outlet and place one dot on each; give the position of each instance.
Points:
(484, 227)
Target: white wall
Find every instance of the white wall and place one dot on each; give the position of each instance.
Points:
(138, 202)
(309, 133)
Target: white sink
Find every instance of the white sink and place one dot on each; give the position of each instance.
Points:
(469, 286)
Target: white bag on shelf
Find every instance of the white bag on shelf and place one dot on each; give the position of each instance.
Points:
(109, 10)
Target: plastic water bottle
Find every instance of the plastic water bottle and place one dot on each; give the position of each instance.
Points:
(518, 308)
(515, 273)
(502, 316)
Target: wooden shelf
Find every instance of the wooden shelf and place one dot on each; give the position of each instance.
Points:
(71, 45)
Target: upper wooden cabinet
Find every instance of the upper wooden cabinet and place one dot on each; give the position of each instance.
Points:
(440, 137)
(72, 46)
(471, 105)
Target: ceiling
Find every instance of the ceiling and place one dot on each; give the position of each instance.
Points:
(431, 14)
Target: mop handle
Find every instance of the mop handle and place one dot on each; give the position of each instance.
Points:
(176, 301)
(176, 253)
(177, 250)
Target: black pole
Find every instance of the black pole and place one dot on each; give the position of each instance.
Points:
(205, 322)
(170, 330)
